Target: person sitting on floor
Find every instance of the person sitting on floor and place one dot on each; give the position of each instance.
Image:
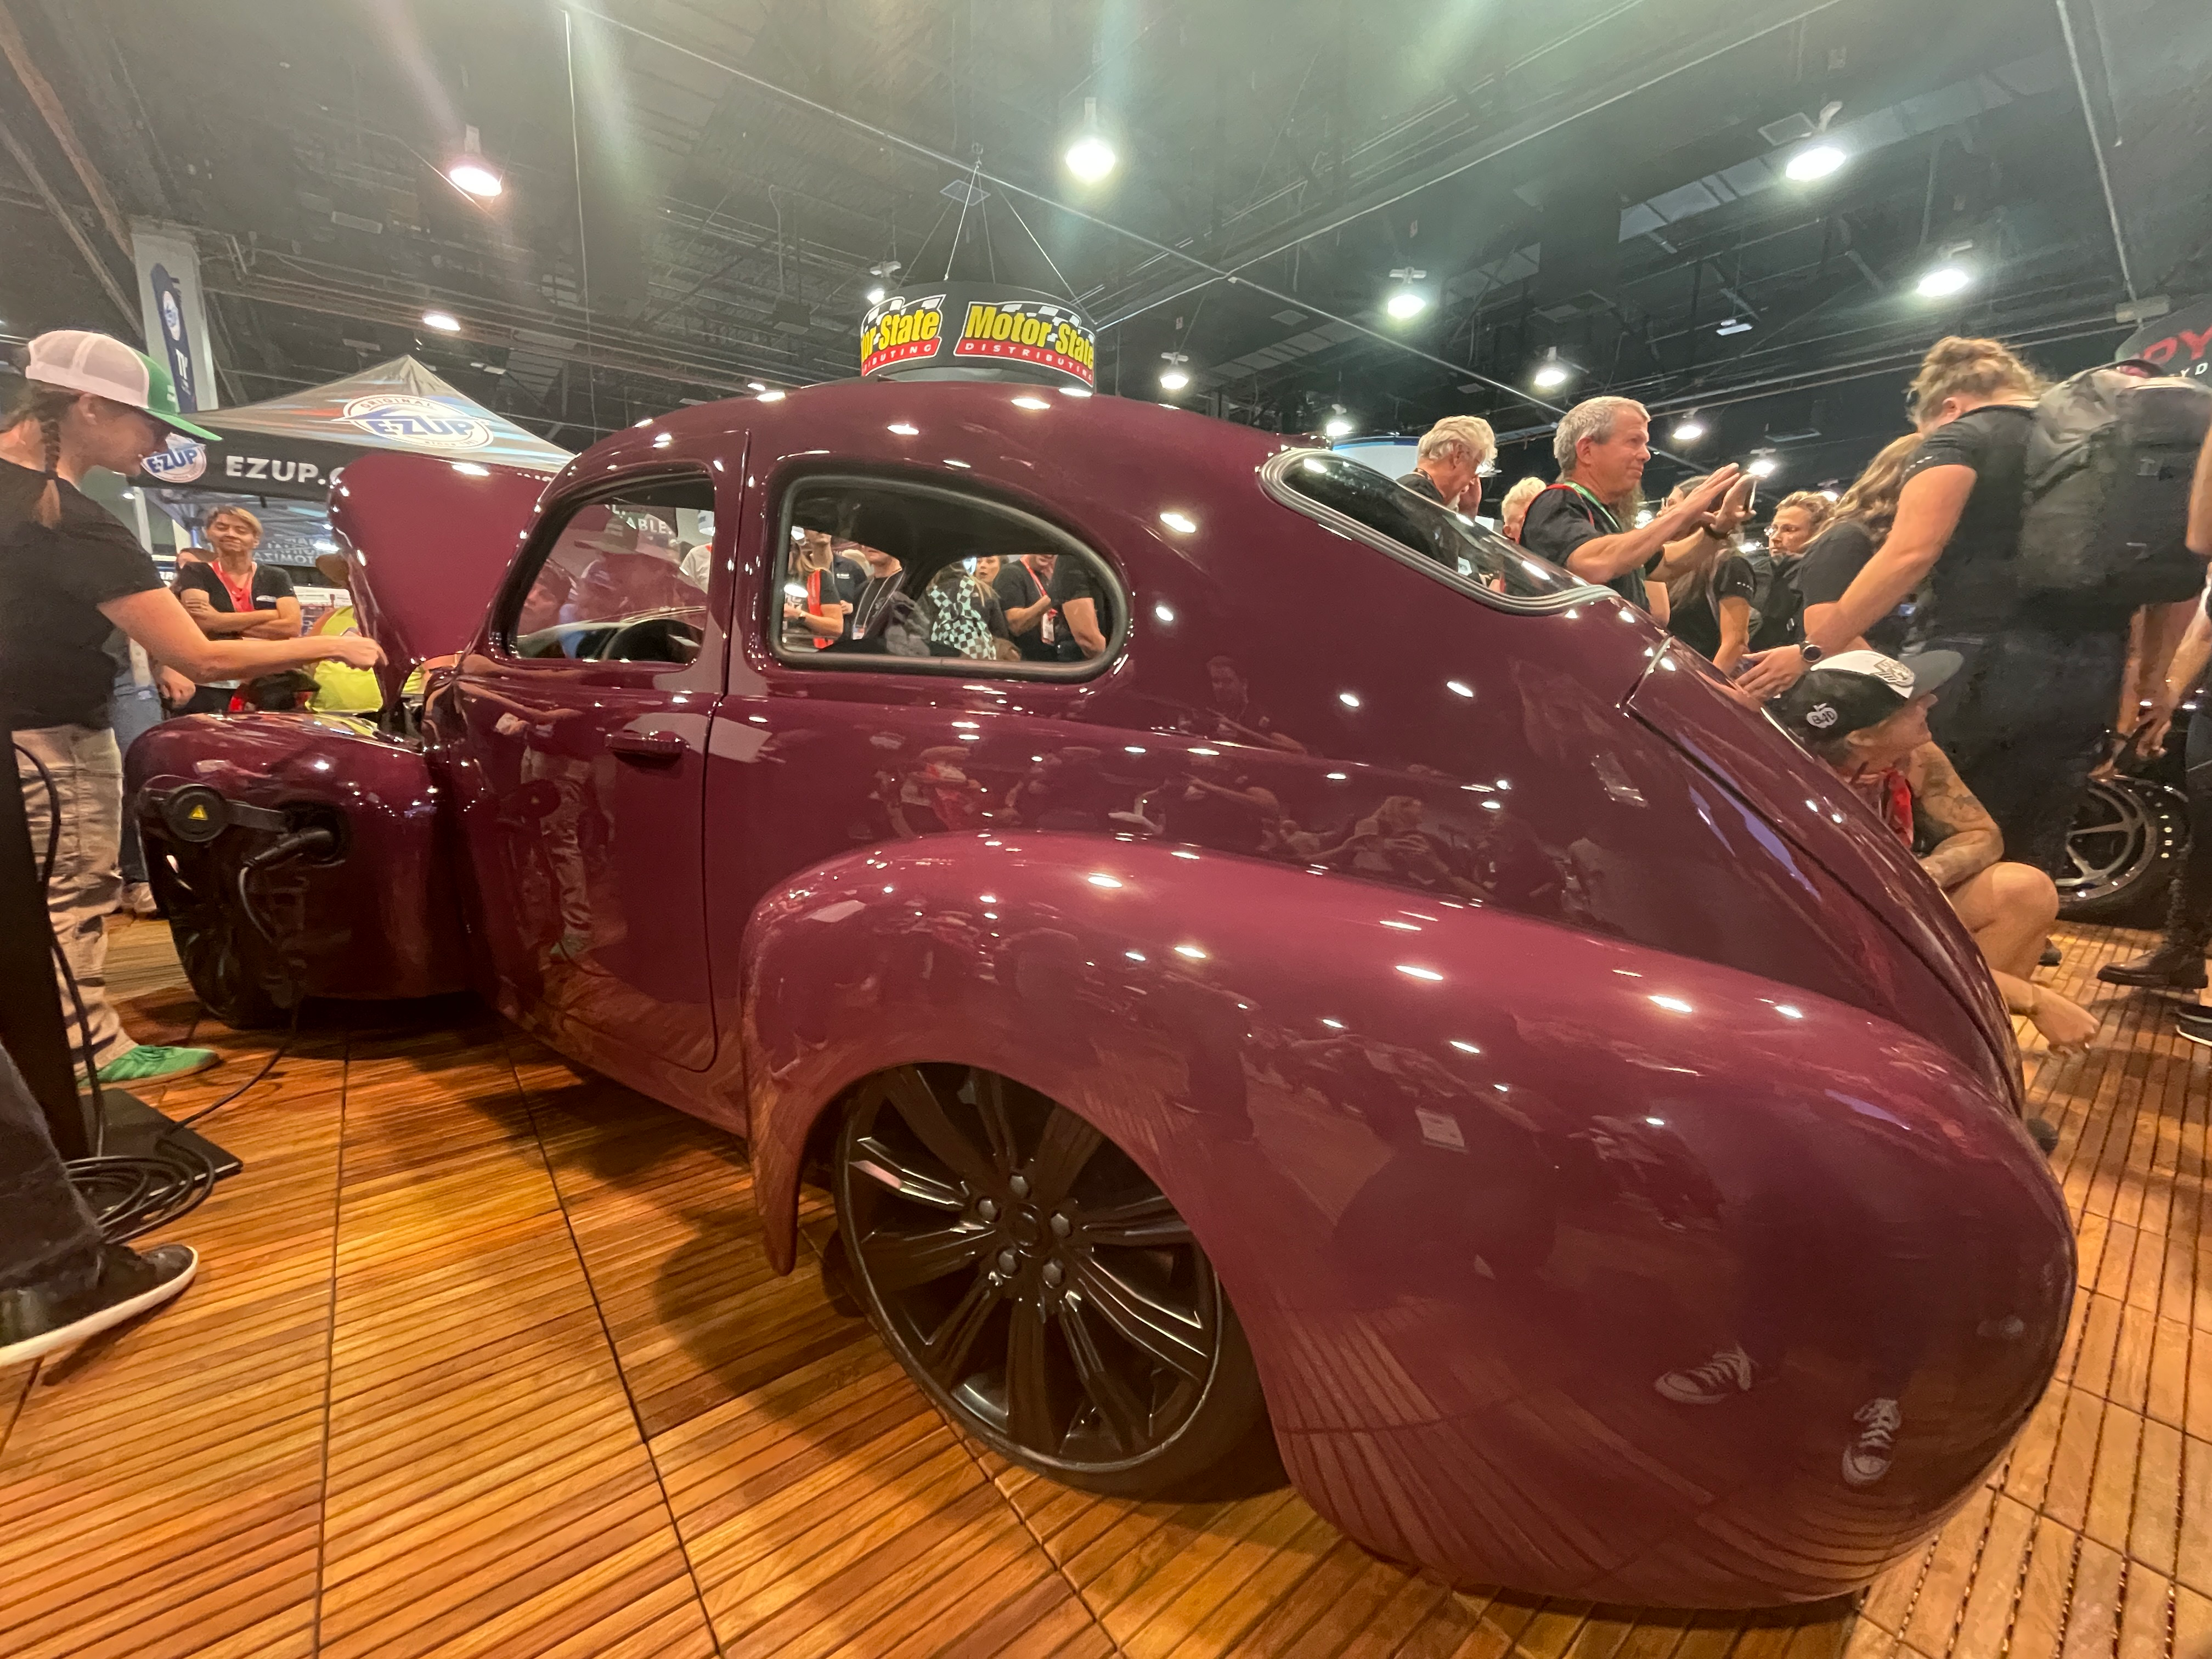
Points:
(1865, 715)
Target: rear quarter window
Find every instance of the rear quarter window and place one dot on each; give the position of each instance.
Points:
(1357, 500)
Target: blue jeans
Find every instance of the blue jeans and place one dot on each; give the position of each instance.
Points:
(2025, 720)
(136, 711)
(48, 1237)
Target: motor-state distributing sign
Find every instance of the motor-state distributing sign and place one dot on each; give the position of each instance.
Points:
(980, 332)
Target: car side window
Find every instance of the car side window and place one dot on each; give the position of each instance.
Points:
(623, 579)
(878, 574)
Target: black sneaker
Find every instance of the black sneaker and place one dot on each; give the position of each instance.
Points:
(2196, 1024)
(1867, 1458)
(1727, 1374)
(35, 1321)
(2050, 958)
(2044, 1132)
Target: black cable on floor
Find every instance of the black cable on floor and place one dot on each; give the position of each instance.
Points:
(132, 1195)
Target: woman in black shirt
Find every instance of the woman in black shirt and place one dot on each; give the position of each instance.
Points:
(1854, 531)
(2026, 718)
(1710, 609)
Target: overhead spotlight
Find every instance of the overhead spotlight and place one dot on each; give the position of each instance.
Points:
(1552, 374)
(471, 172)
(1943, 281)
(1733, 325)
(1408, 301)
(875, 294)
(444, 321)
(1815, 161)
(1687, 430)
(884, 274)
(756, 386)
(1090, 158)
(1339, 424)
(1174, 377)
(1762, 466)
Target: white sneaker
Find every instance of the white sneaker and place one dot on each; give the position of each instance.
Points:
(1727, 1374)
(1867, 1459)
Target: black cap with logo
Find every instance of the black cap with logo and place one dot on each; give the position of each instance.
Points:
(1849, 693)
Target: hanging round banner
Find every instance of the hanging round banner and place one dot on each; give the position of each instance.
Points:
(2179, 342)
(979, 332)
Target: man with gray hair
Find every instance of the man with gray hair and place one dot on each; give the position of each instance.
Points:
(1601, 445)
(1448, 465)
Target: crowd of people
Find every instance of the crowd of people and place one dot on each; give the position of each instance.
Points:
(1918, 560)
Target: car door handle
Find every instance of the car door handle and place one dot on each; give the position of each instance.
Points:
(659, 747)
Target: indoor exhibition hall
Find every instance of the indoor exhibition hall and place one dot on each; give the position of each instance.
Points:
(1106, 827)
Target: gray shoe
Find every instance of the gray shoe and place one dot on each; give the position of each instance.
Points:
(36, 1320)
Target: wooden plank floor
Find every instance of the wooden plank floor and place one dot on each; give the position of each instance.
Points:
(485, 1359)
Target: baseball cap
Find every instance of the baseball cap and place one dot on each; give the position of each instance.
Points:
(1848, 693)
(79, 360)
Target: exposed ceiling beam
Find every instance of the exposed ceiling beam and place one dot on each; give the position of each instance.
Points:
(57, 123)
(62, 211)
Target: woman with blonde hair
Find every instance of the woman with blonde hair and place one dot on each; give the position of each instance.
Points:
(2025, 718)
(1856, 528)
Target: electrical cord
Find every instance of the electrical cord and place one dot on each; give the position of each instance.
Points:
(132, 1195)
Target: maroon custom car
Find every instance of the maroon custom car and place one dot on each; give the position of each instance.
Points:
(1255, 957)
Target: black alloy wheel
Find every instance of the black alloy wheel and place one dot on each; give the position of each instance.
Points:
(2128, 840)
(222, 956)
(1040, 1288)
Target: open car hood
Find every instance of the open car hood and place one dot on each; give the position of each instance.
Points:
(429, 541)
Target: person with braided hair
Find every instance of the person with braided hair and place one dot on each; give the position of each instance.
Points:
(70, 575)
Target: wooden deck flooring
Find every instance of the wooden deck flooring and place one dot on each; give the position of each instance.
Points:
(485, 1359)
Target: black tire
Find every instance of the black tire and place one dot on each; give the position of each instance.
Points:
(1041, 1290)
(2128, 842)
(226, 961)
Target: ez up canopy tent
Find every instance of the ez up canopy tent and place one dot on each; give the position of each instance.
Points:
(281, 457)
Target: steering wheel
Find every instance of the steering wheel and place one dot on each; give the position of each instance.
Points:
(653, 639)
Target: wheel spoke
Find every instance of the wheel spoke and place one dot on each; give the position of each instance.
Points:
(1142, 1223)
(998, 1121)
(1127, 1419)
(1029, 1398)
(894, 1174)
(916, 1102)
(1064, 1149)
(1168, 1335)
(899, 1261)
(946, 1350)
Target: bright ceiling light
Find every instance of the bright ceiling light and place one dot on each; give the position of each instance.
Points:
(1762, 466)
(1944, 281)
(1408, 301)
(875, 294)
(1174, 377)
(471, 173)
(1687, 430)
(1552, 374)
(1090, 158)
(1733, 325)
(1816, 161)
(1338, 425)
(757, 385)
(444, 321)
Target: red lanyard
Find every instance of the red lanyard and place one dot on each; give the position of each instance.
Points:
(241, 599)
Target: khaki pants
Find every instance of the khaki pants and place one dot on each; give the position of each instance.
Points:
(86, 768)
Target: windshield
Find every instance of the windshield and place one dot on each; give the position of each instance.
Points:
(1384, 513)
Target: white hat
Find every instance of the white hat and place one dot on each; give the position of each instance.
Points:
(79, 360)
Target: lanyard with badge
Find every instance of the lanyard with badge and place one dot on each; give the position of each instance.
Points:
(1610, 525)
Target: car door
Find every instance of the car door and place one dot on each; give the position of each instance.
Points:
(585, 720)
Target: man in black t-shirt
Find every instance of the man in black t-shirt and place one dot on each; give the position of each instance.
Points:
(1080, 593)
(1023, 586)
(1601, 445)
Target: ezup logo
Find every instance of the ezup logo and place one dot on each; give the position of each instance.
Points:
(422, 422)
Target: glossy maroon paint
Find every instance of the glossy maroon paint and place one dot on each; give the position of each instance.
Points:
(1510, 1038)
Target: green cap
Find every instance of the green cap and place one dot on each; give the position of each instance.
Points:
(79, 360)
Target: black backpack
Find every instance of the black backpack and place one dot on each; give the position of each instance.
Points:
(2109, 458)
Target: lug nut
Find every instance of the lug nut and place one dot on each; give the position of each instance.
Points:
(986, 1209)
(1007, 1263)
(1062, 1226)
(1053, 1273)
(1020, 1185)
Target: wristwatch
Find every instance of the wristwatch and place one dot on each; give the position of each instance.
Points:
(1811, 652)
